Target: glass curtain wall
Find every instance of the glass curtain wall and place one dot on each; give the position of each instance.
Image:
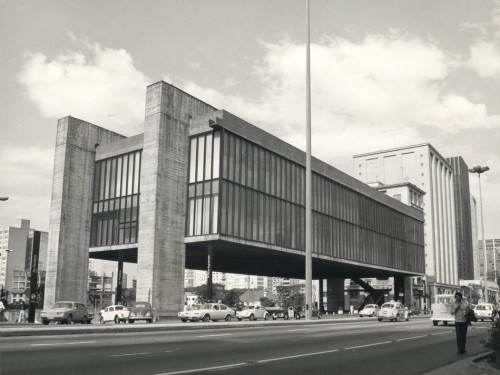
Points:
(115, 210)
(262, 199)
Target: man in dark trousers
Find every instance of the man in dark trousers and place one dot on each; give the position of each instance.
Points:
(459, 309)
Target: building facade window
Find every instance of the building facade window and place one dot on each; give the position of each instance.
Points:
(239, 189)
(115, 210)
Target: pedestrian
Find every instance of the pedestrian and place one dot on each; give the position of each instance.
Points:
(351, 310)
(460, 309)
(2, 312)
(186, 308)
(406, 313)
(22, 313)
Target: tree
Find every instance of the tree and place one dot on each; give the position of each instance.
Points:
(289, 294)
(266, 302)
(231, 297)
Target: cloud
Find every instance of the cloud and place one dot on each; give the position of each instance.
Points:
(27, 181)
(99, 85)
(485, 59)
(385, 87)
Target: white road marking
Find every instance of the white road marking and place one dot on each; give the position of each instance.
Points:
(298, 329)
(441, 333)
(297, 356)
(222, 334)
(203, 369)
(411, 338)
(367, 345)
(64, 343)
(145, 353)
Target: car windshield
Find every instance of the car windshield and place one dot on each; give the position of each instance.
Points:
(388, 305)
(63, 305)
(370, 306)
(141, 305)
(250, 307)
(204, 306)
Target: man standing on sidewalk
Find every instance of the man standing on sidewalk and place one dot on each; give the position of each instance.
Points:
(459, 309)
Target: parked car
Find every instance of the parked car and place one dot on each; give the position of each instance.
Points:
(207, 312)
(414, 311)
(140, 311)
(66, 312)
(114, 313)
(393, 311)
(253, 313)
(485, 311)
(369, 310)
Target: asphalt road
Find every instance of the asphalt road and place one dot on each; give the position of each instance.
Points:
(363, 346)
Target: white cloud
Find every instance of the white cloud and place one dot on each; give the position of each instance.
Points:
(99, 85)
(383, 87)
(27, 181)
(485, 59)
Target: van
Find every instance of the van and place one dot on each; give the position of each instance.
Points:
(485, 311)
(440, 309)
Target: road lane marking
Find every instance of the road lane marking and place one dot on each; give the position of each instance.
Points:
(367, 345)
(297, 356)
(222, 334)
(441, 333)
(64, 343)
(131, 354)
(204, 369)
(411, 338)
(298, 329)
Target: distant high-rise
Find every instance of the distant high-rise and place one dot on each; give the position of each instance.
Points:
(463, 218)
(423, 166)
(492, 255)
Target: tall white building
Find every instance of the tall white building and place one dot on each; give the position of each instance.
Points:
(423, 166)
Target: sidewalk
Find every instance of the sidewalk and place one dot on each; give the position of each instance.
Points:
(477, 365)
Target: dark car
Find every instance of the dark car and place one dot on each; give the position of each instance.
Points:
(140, 311)
(414, 311)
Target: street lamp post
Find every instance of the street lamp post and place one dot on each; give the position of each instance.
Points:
(478, 169)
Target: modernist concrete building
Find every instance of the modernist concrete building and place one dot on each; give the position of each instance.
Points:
(203, 189)
(424, 167)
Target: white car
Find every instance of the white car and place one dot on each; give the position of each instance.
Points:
(114, 313)
(253, 313)
(393, 311)
(369, 310)
(207, 312)
(485, 311)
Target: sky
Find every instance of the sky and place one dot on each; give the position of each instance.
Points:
(384, 74)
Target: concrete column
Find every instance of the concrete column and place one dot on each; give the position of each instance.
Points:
(335, 294)
(71, 209)
(119, 278)
(162, 214)
(399, 289)
(320, 291)
(408, 291)
(210, 258)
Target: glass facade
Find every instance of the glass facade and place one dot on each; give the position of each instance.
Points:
(262, 199)
(115, 210)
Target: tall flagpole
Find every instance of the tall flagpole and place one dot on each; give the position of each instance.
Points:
(308, 174)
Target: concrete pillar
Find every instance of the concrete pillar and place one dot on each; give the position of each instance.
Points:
(408, 291)
(210, 258)
(119, 278)
(335, 294)
(71, 209)
(320, 291)
(162, 213)
(399, 288)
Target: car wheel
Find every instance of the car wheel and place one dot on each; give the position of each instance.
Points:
(150, 320)
(84, 320)
(434, 323)
(69, 319)
(251, 317)
(360, 315)
(239, 319)
(267, 317)
(101, 321)
(482, 320)
(445, 323)
(397, 318)
(206, 318)
(286, 317)
(379, 319)
(45, 322)
(320, 315)
(131, 321)
(184, 320)
(297, 316)
(117, 319)
(228, 318)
